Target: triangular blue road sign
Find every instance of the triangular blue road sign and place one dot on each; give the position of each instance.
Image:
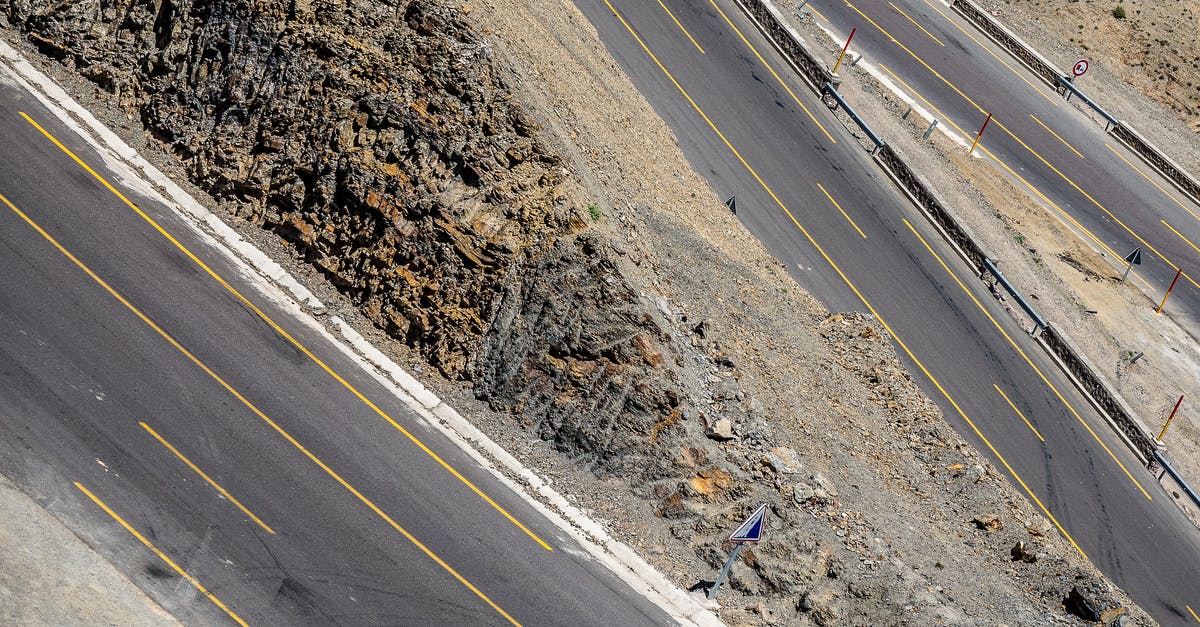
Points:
(1134, 258)
(752, 529)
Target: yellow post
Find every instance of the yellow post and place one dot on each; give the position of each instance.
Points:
(979, 134)
(844, 49)
(1170, 418)
(1164, 300)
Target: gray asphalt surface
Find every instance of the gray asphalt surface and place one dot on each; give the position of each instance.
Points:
(1119, 208)
(1124, 523)
(79, 371)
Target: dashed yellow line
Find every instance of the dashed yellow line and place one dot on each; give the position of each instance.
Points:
(1014, 408)
(844, 214)
(1064, 177)
(1181, 235)
(920, 365)
(1022, 180)
(1029, 361)
(915, 23)
(223, 492)
(254, 409)
(1020, 75)
(685, 31)
(1152, 181)
(162, 556)
(1056, 135)
(771, 70)
(287, 336)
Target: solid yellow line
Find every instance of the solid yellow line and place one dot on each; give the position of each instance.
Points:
(769, 69)
(278, 329)
(915, 23)
(1036, 89)
(1181, 235)
(839, 208)
(1079, 189)
(1151, 181)
(257, 412)
(818, 13)
(1193, 613)
(1036, 192)
(1029, 361)
(685, 31)
(162, 556)
(847, 281)
(204, 476)
(1110, 214)
(1056, 136)
(1014, 407)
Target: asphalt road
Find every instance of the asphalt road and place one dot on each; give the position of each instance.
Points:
(756, 132)
(162, 416)
(1053, 148)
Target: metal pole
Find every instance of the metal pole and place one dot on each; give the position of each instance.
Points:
(844, 49)
(1164, 300)
(1126, 274)
(737, 548)
(980, 134)
(929, 131)
(1169, 419)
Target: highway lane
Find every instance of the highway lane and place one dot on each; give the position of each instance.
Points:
(141, 396)
(1085, 177)
(745, 132)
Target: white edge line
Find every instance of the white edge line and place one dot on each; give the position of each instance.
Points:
(267, 275)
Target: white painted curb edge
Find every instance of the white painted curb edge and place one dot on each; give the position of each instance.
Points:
(265, 274)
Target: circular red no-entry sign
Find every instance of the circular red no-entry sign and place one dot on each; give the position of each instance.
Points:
(1081, 66)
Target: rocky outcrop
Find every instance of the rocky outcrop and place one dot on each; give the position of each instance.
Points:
(379, 139)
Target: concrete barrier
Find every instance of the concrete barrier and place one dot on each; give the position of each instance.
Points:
(1005, 38)
(1099, 393)
(1061, 350)
(1180, 178)
(789, 43)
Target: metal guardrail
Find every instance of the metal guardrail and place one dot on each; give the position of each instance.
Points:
(1072, 89)
(879, 143)
(1038, 322)
(1187, 489)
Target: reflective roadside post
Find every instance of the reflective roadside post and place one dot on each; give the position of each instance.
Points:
(749, 532)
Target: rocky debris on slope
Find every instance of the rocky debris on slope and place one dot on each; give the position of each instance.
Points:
(379, 139)
(382, 141)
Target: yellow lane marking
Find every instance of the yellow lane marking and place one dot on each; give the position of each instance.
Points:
(771, 70)
(1079, 189)
(1014, 407)
(1110, 214)
(1036, 192)
(1029, 361)
(287, 336)
(253, 408)
(685, 31)
(1020, 75)
(810, 7)
(1056, 136)
(917, 24)
(162, 556)
(1151, 181)
(846, 280)
(1193, 613)
(225, 493)
(839, 208)
(1181, 235)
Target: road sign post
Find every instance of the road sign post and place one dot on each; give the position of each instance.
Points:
(844, 49)
(1173, 282)
(1169, 419)
(1132, 259)
(981, 129)
(749, 532)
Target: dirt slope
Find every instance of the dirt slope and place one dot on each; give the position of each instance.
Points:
(482, 184)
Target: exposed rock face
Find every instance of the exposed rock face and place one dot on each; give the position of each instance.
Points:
(378, 138)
